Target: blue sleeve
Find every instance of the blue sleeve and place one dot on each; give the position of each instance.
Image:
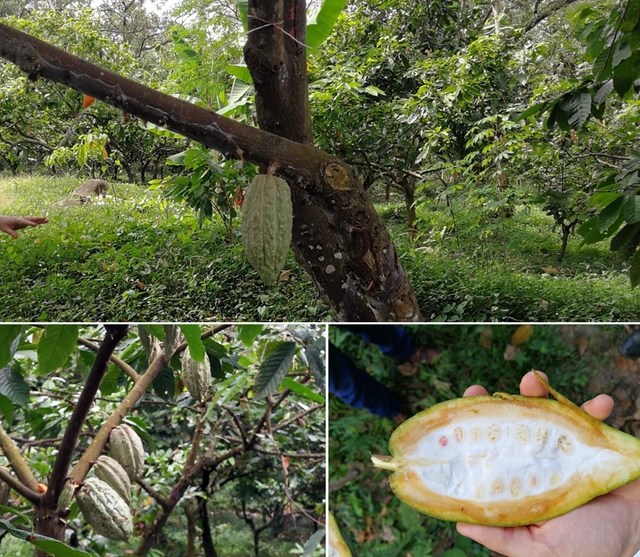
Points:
(392, 340)
(356, 388)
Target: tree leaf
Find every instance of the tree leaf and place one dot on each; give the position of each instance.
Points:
(323, 21)
(301, 390)
(9, 341)
(610, 214)
(192, 335)
(626, 240)
(578, 108)
(13, 386)
(634, 271)
(248, 333)
(164, 385)
(273, 369)
(6, 409)
(316, 362)
(632, 209)
(312, 543)
(240, 71)
(243, 12)
(55, 346)
(154, 330)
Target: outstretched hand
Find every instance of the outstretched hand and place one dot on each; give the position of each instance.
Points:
(607, 526)
(9, 225)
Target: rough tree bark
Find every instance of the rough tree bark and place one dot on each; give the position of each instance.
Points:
(338, 237)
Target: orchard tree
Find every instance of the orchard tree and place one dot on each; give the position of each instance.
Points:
(337, 235)
(253, 407)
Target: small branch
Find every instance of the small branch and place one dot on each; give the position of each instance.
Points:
(237, 423)
(15, 484)
(310, 410)
(164, 502)
(124, 366)
(17, 461)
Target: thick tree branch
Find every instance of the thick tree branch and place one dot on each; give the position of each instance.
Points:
(113, 335)
(124, 366)
(17, 461)
(548, 11)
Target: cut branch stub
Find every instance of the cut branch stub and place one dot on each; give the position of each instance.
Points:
(507, 460)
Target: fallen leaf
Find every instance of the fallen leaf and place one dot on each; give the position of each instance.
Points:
(581, 343)
(521, 334)
(511, 352)
(285, 275)
(387, 534)
(626, 364)
(407, 369)
(485, 337)
(551, 270)
(441, 385)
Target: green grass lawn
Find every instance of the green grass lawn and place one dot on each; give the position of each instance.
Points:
(138, 257)
(360, 496)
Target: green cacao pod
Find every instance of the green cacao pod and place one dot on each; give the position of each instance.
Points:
(196, 375)
(337, 545)
(267, 220)
(110, 471)
(126, 447)
(173, 337)
(4, 489)
(507, 460)
(66, 496)
(105, 510)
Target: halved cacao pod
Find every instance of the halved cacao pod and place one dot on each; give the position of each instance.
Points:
(196, 375)
(267, 220)
(105, 510)
(126, 447)
(337, 545)
(507, 460)
(110, 471)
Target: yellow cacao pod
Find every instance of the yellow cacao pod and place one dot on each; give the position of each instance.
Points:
(110, 471)
(126, 447)
(337, 545)
(105, 510)
(507, 460)
(267, 220)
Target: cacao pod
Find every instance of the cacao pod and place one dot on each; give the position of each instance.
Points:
(105, 510)
(112, 473)
(150, 344)
(267, 220)
(173, 337)
(66, 495)
(196, 375)
(126, 447)
(4, 490)
(337, 545)
(507, 460)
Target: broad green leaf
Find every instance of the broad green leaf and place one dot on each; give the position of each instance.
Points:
(248, 333)
(240, 71)
(312, 543)
(632, 209)
(164, 385)
(578, 109)
(538, 107)
(626, 239)
(51, 546)
(373, 91)
(177, 159)
(323, 21)
(316, 361)
(154, 330)
(301, 390)
(634, 271)
(109, 384)
(602, 199)
(9, 341)
(55, 346)
(6, 409)
(610, 214)
(13, 386)
(631, 16)
(214, 348)
(625, 73)
(192, 335)
(273, 369)
(243, 12)
(590, 232)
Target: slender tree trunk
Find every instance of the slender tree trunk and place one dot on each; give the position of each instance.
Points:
(566, 232)
(207, 539)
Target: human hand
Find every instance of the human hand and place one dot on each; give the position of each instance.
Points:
(607, 526)
(9, 225)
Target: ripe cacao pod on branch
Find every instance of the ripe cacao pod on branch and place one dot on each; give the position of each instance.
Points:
(110, 471)
(105, 510)
(126, 447)
(196, 375)
(267, 220)
(172, 338)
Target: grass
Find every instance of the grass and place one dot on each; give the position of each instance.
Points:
(139, 257)
(369, 514)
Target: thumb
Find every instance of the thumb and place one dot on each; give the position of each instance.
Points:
(513, 542)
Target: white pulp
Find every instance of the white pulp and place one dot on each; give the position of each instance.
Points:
(492, 459)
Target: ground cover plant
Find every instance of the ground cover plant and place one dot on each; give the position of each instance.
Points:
(581, 361)
(137, 255)
(162, 440)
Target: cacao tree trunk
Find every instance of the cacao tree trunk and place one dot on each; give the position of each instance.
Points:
(337, 235)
